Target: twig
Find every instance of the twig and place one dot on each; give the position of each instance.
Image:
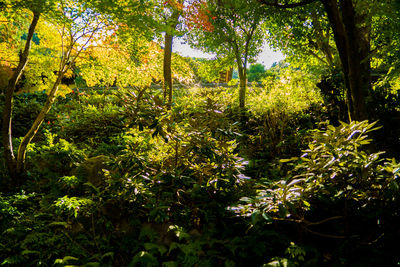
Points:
(73, 241)
(325, 220)
(325, 235)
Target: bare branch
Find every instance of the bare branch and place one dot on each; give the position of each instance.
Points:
(317, 57)
(62, 35)
(243, 29)
(325, 235)
(281, 5)
(306, 223)
(325, 220)
(87, 41)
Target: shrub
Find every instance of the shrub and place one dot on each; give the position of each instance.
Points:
(53, 157)
(335, 189)
(26, 107)
(333, 168)
(92, 123)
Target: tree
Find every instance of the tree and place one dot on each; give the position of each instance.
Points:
(113, 63)
(235, 33)
(305, 36)
(350, 22)
(77, 26)
(256, 72)
(351, 33)
(171, 17)
(41, 67)
(152, 17)
(208, 70)
(9, 157)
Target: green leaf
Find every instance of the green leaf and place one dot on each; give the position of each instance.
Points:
(64, 224)
(295, 181)
(13, 260)
(267, 217)
(332, 128)
(27, 252)
(152, 246)
(65, 260)
(170, 264)
(173, 246)
(288, 160)
(282, 210)
(92, 264)
(255, 216)
(394, 185)
(281, 262)
(229, 263)
(108, 254)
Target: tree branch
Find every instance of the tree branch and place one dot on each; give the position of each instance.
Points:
(281, 5)
(8, 102)
(325, 235)
(325, 220)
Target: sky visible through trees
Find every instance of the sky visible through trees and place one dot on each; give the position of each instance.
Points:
(267, 57)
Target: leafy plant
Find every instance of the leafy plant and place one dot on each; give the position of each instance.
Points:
(333, 171)
(70, 206)
(54, 157)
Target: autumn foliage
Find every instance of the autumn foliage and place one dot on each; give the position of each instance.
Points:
(198, 16)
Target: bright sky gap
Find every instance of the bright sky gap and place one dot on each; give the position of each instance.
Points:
(267, 57)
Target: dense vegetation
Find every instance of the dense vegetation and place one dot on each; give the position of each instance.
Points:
(102, 166)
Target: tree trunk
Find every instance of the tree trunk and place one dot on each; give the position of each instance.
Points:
(167, 69)
(20, 164)
(168, 41)
(358, 43)
(353, 46)
(8, 105)
(322, 39)
(242, 86)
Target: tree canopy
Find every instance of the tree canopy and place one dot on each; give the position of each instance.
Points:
(118, 150)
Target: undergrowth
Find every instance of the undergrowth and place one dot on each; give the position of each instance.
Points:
(117, 179)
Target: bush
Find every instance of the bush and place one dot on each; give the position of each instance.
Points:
(184, 162)
(26, 107)
(335, 189)
(280, 115)
(53, 157)
(91, 119)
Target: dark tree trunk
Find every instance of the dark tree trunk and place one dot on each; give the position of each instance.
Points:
(358, 44)
(242, 86)
(353, 46)
(353, 43)
(9, 157)
(168, 41)
(167, 69)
